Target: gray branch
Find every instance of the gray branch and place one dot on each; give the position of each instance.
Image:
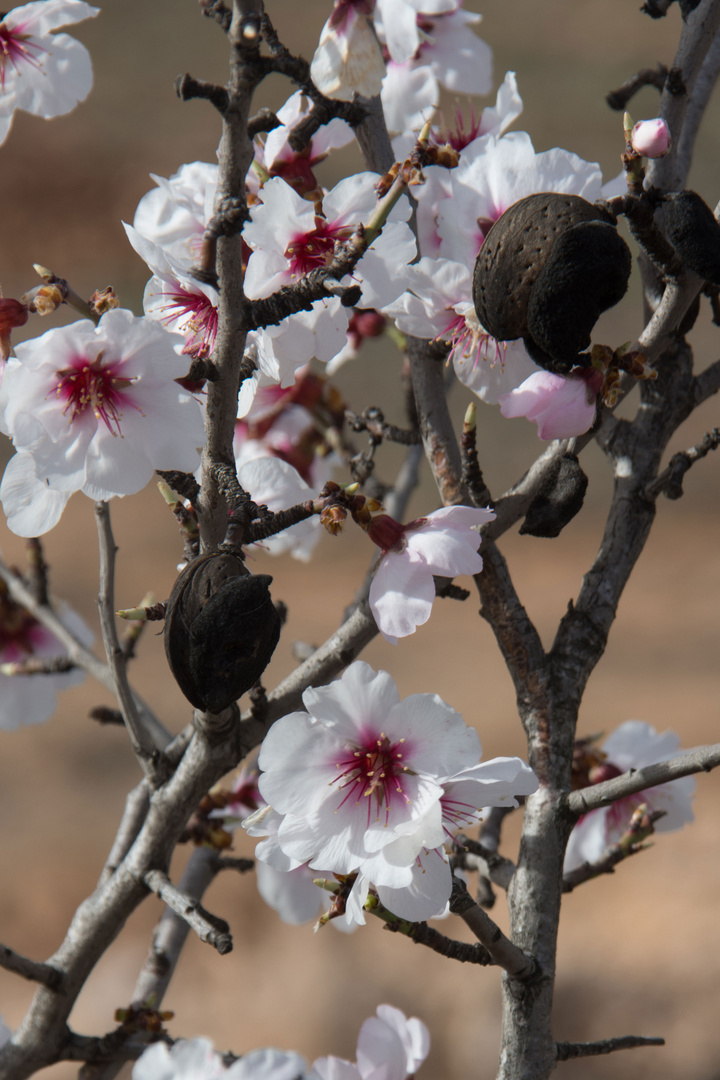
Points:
(30, 969)
(211, 930)
(702, 759)
(140, 738)
(567, 1051)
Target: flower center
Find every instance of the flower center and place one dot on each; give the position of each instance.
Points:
(375, 773)
(90, 385)
(199, 319)
(468, 341)
(16, 47)
(19, 631)
(313, 249)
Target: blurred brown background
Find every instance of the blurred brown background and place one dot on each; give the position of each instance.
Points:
(640, 951)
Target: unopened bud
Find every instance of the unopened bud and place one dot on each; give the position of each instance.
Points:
(651, 138)
(43, 300)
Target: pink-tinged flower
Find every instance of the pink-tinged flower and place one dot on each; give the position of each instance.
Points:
(561, 406)
(448, 54)
(93, 409)
(348, 59)
(633, 745)
(438, 305)
(651, 138)
(279, 159)
(30, 699)
(444, 543)
(359, 770)
(195, 1059)
(466, 796)
(176, 299)
(40, 72)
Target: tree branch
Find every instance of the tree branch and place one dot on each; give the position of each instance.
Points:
(209, 928)
(506, 955)
(567, 1051)
(140, 739)
(702, 759)
(37, 972)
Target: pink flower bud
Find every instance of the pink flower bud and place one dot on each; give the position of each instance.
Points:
(651, 138)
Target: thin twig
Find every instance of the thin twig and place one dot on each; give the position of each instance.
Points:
(211, 930)
(30, 969)
(506, 955)
(567, 1051)
(701, 759)
(670, 480)
(140, 739)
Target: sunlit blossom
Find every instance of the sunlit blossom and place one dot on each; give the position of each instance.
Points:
(42, 72)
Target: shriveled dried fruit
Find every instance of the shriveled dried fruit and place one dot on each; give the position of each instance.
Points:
(550, 265)
(558, 500)
(220, 631)
(693, 231)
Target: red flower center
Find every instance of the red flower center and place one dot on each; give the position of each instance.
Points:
(374, 772)
(310, 250)
(16, 47)
(96, 386)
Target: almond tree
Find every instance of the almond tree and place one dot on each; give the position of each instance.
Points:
(256, 270)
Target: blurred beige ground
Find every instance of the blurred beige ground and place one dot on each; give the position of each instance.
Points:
(640, 951)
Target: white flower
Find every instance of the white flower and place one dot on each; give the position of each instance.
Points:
(444, 542)
(389, 1047)
(195, 1059)
(348, 59)
(175, 214)
(495, 172)
(278, 485)
(493, 119)
(175, 298)
(40, 72)
(94, 409)
(438, 305)
(30, 699)
(359, 769)
(448, 54)
(391, 1037)
(370, 785)
(632, 746)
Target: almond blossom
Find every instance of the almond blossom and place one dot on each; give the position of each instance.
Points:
(561, 406)
(359, 782)
(448, 54)
(633, 745)
(41, 72)
(444, 543)
(195, 1059)
(93, 409)
(31, 699)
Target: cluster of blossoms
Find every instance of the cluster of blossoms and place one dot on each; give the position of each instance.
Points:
(369, 787)
(633, 745)
(389, 1047)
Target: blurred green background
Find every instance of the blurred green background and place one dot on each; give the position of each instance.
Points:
(640, 951)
